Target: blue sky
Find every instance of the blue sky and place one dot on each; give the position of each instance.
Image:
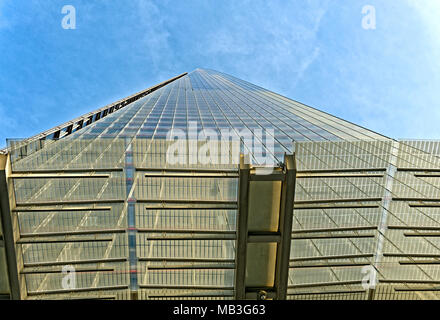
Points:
(313, 51)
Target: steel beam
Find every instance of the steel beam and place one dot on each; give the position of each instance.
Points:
(427, 228)
(410, 281)
(68, 233)
(192, 267)
(416, 199)
(325, 284)
(352, 175)
(59, 263)
(52, 210)
(337, 200)
(185, 170)
(61, 291)
(68, 202)
(422, 234)
(35, 241)
(184, 287)
(186, 231)
(416, 262)
(191, 207)
(330, 265)
(334, 257)
(203, 175)
(77, 270)
(424, 205)
(336, 229)
(189, 295)
(17, 176)
(412, 255)
(333, 236)
(326, 292)
(327, 207)
(192, 237)
(418, 169)
(189, 260)
(189, 201)
(65, 171)
(416, 289)
(106, 297)
(317, 171)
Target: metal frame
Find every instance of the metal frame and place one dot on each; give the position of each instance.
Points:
(287, 176)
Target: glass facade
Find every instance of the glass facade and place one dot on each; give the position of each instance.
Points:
(106, 201)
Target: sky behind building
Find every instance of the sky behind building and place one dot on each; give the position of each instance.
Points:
(315, 52)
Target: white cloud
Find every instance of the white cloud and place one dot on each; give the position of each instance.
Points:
(429, 11)
(155, 40)
(271, 41)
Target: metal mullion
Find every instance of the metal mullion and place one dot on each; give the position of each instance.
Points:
(331, 271)
(280, 102)
(281, 144)
(232, 109)
(87, 215)
(227, 118)
(123, 102)
(364, 192)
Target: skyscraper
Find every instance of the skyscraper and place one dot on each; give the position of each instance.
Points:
(207, 186)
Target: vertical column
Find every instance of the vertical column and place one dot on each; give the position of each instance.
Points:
(242, 232)
(386, 202)
(285, 226)
(131, 223)
(264, 229)
(9, 226)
